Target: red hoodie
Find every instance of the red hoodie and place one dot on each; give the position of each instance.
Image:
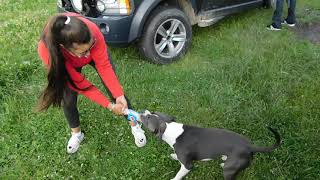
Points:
(98, 54)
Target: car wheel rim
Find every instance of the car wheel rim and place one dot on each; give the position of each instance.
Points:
(170, 38)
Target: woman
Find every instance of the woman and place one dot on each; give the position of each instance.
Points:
(68, 43)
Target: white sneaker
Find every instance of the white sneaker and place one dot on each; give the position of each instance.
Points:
(273, 27)
(285, 22)
(139, 137)
(74, 142)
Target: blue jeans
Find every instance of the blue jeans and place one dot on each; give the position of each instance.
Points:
(277, 15)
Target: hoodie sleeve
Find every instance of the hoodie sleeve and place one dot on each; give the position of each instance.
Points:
(92, 93)
(104, 68)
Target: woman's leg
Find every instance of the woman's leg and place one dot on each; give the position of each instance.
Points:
(70, 109)
(72, 115)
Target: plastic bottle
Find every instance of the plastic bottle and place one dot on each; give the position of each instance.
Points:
(132, 115)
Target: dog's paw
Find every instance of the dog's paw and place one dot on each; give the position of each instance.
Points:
(222, 165)
(174, 156)
(224, 157)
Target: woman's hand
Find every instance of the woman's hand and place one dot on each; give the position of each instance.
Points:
(122, 100)
(120, 106)
(116, 108)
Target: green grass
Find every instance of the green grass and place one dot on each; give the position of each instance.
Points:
(237, 75)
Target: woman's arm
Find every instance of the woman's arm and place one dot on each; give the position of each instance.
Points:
(91, 92)
(104, 68)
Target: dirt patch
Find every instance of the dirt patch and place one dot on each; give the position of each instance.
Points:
(308, 26)
(310, 31)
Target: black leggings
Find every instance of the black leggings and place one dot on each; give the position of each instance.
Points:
(70, 102)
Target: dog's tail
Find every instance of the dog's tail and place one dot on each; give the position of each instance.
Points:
(271, 148)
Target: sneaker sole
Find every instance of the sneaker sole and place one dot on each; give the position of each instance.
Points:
(290, 25)
(273, 29)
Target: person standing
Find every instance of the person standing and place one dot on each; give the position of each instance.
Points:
(277, 15)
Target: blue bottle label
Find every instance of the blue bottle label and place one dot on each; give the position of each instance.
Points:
(133, 116)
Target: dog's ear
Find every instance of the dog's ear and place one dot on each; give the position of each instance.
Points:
(159, 132)
(165, 117)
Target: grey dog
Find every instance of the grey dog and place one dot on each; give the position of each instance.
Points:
(194, 143)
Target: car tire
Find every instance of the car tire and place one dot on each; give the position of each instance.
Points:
(166, 36)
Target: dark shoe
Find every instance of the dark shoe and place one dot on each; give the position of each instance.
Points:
(285, 22)
(273, 27)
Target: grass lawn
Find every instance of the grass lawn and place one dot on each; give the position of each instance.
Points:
(237, 75)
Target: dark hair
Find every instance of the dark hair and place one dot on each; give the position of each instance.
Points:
(55, 34)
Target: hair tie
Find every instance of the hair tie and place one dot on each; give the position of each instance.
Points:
(68, 20)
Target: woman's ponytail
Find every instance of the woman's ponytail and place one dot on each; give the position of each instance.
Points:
(60, 31)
